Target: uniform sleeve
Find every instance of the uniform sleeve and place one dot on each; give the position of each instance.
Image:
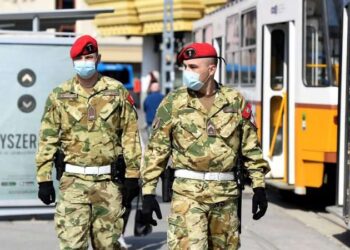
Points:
(48, 140)
(251, 150)
(130, 138)
(159, 147)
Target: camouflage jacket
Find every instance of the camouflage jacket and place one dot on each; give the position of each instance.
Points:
(91, 129)
(205, 141)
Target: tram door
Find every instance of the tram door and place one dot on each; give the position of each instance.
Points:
(278, 52)
(343, 194)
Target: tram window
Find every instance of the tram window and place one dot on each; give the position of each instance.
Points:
(278, 59)
(321, 63)
(249, 28)
(241, 49)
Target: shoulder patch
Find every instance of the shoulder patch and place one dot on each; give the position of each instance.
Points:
(130, 100)
(247, 111)
(248, 114)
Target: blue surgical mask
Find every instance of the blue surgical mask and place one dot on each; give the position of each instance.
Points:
(191, 80)
(85, 68)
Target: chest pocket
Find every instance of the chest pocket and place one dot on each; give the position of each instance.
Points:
(110, 112)
(109, 108)
(72, 113)
(188, 130)
(226, 124)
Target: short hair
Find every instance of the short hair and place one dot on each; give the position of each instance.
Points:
(212, 60)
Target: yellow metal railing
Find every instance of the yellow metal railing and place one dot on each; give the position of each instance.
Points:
(278, 124)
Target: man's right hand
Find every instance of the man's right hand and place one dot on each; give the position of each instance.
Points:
(46, 192)
(150, 205)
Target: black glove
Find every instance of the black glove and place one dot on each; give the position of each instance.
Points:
(150, 205)
(131, 190)
(46, 192)
(259, 201)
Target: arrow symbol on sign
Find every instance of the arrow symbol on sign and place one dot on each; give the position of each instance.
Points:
(27, 78)
(27, 104)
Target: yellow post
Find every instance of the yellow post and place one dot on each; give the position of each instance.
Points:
(279, 120)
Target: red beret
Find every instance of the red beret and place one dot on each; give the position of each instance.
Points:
(196, 50)
(84, 45)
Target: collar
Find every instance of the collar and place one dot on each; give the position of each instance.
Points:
(219, 103)
(76, 87)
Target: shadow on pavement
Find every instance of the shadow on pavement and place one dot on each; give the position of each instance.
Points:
(343, 238)
(152, 241)
(288, 199)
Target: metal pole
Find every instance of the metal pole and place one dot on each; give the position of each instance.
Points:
(167, 66)
(36, 24)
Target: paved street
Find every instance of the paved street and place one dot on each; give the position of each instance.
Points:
(287, 225)
(283, 227)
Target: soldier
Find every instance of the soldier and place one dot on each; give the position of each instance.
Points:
(90, 118)
(203, 126)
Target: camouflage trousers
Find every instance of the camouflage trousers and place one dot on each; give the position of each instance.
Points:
(88, 208)
(200, 226)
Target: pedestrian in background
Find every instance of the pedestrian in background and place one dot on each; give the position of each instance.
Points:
(204, 127)
(152, 101)
(92, 120)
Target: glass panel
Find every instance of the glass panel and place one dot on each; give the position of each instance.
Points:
(249, 28)
(232, 68)
(236, 67)
(321, 43)
(252, 57)
(229, 68)
(232, 32)
(275, 105)
(245, 67)
(278, 59)
(248, 67)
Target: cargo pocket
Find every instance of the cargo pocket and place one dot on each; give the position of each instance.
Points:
(115, 205)
(177, 232)
(177, 229)
(72, 223)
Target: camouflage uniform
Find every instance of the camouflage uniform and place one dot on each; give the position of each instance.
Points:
(89, 204)
(203, 213)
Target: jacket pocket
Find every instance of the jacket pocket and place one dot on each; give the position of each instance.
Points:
(226, 124)
(185, 135)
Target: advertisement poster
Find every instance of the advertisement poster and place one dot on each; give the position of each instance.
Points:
(28, 73)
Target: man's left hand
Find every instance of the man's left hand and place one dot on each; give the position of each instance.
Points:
(131, 190)
(259, 201)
